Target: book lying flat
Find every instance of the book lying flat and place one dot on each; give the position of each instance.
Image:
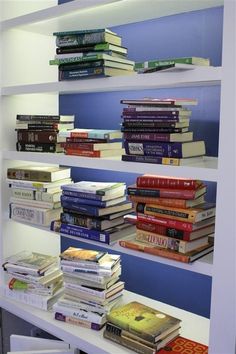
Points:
(38, 173)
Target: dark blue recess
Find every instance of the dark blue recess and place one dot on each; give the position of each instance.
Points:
(198, 33)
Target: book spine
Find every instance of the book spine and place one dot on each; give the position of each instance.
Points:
(159, 182)
(84, 140)
(29, 175)
(81, 208)
(131, 112)
(161, 252)
(26, 214)
(81, 65)
(69, 199)
(150, 124)
(84, 233)
(176, 224)
(37, 136)
(75, 74)
(79, 146)
(79, 314)
(147, 136)
(175, 203)
(163, 230)
(80, 39)
(36, 147)
(83, 195)
(85, 153)
(150, 119)
(86, 290)
(26, 117)
(77, 322)
(81, 220)
(23, 193)
(153, 149)
(34, 300)
(163, 192)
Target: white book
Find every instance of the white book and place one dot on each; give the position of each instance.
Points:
(36, 203)
(25, 343)
(38, 173)
(80, 314)
(35, 185)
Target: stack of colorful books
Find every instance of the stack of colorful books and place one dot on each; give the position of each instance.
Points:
(90, 53)
(39, 133)
(36, 192)
(92, 287)
(173, 219)
(95, 211)
(141, 328)
(92, 142)
(34, 279)
(157, 131)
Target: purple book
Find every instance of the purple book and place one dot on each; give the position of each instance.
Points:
(155, 113)
(167, 119)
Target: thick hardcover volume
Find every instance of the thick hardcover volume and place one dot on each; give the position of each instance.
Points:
(25, 136)
(179, 150)
(38, 147)
(193, 215)
(162, 102)
(101, 71)
(155, 181)
(183, 345)
(77, 322)
(165, 188)
(96, 203)
(173, 232)
(163, 252)
(142, 320)
(92, 134)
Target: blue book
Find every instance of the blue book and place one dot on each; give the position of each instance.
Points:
(99, 203)
(109, 236)
(96, 211)
(160, 149)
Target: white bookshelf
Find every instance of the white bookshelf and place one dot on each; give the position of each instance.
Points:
(24, 88)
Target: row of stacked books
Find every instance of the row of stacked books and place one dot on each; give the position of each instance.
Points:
(157, 131)
(173, 219)
(92, 287)
(34, 279)
(92, 142)
(94, 211)
(36, 193)
(90, 53)
(40, 133)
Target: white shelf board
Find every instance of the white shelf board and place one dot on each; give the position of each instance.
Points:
(79, 13)
(193, 326)
(200, 76)
(205, 171)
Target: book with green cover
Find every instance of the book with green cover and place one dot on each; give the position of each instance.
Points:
(88, 57)
(142, 320)
(150, 64)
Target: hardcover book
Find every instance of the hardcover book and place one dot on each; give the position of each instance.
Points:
(102, 71)
(92, 134)
(47, 118)
(38, 173)
(164, 160)
(144, 321)
(181, 344)
(155, 181)
(94, 188)
(80, 254)
(160, 101)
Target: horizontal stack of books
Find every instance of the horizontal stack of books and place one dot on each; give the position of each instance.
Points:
(94, 211)
(173, 220)
(92, 287)
(170, 63)
(34, 279)
(157, 131)
(39, 133)
(92, 142)
(90, 53)
(36, 192)
(141, 328)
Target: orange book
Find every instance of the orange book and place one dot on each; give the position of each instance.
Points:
(96, 153)
(176, 203)
(182, 345)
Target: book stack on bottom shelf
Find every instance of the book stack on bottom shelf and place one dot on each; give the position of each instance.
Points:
(36, 192)
(141, 328)
(173, 220)
(157, 131)
(40, 133)
(34, 279)
(92, 287)
(94, 211)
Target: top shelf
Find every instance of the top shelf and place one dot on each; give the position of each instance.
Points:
(102, 13)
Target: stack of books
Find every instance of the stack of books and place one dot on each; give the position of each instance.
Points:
(92, 142)
(157, 131)
(141, 328)
(92, 287)
(36, 192)
(39, 133)
(34, 279)
(95, 211)
(173, 219)
(90, 53)
(170, 63)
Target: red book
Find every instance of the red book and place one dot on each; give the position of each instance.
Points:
(182, 345)
(155, 181)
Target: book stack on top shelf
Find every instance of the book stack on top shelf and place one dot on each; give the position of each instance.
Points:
(94, 211)
(92, 142)
(141, 328)
(36, 192)
(92, 287)
(173, 219)
(157, 131)
(40, 133)
(34, 279)
(186, 63)
(90, 53)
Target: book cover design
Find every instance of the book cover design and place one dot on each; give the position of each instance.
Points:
(183, 345)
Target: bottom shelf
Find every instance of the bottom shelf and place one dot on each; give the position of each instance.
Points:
(193, 326)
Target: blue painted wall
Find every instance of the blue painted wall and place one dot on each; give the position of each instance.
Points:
(197, 33)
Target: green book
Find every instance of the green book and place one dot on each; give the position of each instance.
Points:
(80, 57)
(150, 64)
